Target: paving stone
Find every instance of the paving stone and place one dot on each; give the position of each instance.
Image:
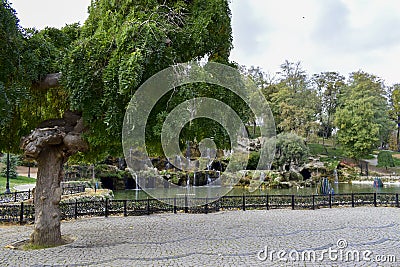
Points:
(227, 238)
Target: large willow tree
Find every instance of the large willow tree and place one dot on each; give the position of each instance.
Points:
(122, 43)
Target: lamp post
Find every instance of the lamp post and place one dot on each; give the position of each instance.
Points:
(8, 174)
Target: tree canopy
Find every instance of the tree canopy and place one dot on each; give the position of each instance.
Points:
(362, 115)
(123, 43)
(26, 57)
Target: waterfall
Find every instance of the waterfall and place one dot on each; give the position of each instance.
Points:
(136, 182)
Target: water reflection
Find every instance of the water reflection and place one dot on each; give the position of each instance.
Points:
(340, 188)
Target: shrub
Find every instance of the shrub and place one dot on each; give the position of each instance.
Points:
(253, 161)
(385, 159)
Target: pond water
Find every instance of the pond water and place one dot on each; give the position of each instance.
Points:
(203, 191)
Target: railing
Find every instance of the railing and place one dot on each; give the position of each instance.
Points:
(15, 196)
(73, 189)
(19, 196)
(25, 212)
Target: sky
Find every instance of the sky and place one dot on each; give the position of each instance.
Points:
(325, 35)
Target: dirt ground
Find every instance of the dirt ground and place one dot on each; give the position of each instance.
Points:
(397, 156)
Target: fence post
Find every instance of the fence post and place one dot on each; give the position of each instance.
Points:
(267, 202)
(375, 204)
(106, 209)
(397, 200)
(352, 200)
(244, 202)
(76, 209)
(174, 205)
(330, 200)
(148, 206)
(313, 202)
(186, 204)
(292, 202)
(206, 207)
(15, 196)
(29, 193)
(21, 214)
(125, 212)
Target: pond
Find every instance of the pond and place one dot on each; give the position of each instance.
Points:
(340, 188)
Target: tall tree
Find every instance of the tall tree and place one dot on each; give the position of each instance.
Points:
(362, 115)
(395, 110)
(265, 82)
(329, 86)
(295, 103)
(121, 44)
(25, 58)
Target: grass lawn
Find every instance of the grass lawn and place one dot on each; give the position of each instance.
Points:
(319, 149)
(331, 152)
(14, 182)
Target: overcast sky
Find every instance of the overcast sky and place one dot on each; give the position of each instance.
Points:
(325, 35)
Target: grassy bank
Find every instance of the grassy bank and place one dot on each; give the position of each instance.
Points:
(13, 182)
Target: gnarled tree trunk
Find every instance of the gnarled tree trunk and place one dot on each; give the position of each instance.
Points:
(51, 144)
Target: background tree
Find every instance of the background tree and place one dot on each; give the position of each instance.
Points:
(395, 110)
(329, 86)
(265, 82)
(295, 103)
(362, 115)
(14, 161)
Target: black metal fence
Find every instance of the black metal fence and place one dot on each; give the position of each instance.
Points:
(25, 195)
(25, 212)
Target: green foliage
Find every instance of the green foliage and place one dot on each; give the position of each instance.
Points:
(362, 117)
(396, 160)
(294, 103)
(122, 44)
(385, 159)
(25, 58)
(252, 163)
(11, 93)
(394, 111)
(290, 150)
(319, 149)
(329, 86)
(14, 162)
(11, 41)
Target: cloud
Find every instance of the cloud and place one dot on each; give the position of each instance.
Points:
(248, 27)
(350, 28)
(52, 13)
(332, 26)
